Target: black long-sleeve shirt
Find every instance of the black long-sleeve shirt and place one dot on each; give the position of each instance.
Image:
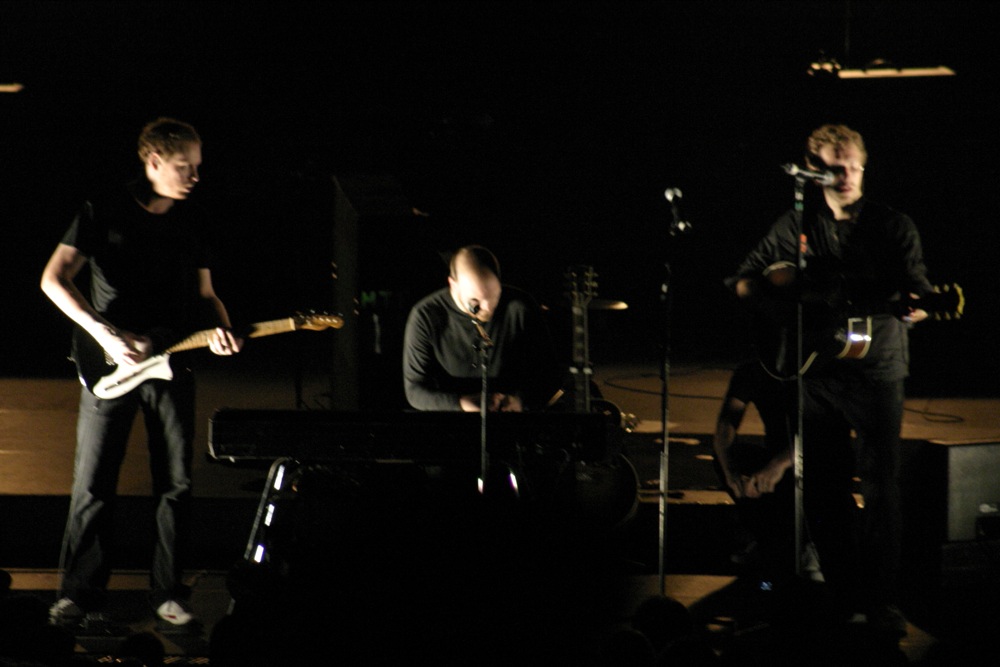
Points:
(441, 362)
(859, 266)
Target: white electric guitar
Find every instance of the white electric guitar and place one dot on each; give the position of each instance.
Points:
(106, 379)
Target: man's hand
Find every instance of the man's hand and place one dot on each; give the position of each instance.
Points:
(124, 347)
(767, 478)
(469, 403)
(744, 288)
(223, 342)
(736, 485)
(495, 403)
(509, 403)
(914, 315)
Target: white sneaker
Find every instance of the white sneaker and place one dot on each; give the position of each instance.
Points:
(65, 613)
(175, 613)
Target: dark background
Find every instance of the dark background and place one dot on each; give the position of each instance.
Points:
(546, 131)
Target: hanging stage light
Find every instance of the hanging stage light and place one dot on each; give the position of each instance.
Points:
(880, 68)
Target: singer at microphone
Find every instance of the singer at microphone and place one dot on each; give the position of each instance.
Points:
(859, 257)
(448, 331)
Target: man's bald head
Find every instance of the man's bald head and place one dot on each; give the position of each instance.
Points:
(474, 281)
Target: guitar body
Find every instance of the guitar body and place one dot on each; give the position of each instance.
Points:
(106, 379)
(123, 379)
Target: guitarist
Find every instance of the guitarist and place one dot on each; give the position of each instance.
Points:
(149, 274)
(864, 260)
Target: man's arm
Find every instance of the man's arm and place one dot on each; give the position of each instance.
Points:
(767, 478)
(778, 245)
(764, 480)
(419, 364)
(726, 425)
(914, 268)
(124, 347)
(222, 340)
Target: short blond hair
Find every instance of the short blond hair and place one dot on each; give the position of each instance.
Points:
(166, 136)
(837, 136)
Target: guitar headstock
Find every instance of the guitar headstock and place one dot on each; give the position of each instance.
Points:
(946, 302)
(317, 321)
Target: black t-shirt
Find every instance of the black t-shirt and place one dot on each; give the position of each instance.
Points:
(441, 362)
(143, 266)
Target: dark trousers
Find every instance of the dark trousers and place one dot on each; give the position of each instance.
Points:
(859, 551)
(103, 429)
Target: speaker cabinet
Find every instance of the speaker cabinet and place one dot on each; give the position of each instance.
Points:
(385, 258)
(951, 489)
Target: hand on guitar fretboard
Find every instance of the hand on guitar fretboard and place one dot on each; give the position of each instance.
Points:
(946, 302)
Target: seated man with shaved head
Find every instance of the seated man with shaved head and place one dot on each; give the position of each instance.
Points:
(445, 333)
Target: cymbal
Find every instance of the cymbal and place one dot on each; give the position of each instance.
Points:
(607, 304)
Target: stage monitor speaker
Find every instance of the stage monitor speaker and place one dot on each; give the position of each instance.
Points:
(951, 489)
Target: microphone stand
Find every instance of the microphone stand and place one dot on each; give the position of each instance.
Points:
(483, 347)
(677, 228)
(797, 451)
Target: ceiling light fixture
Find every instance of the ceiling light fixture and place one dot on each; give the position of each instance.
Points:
(880, 68)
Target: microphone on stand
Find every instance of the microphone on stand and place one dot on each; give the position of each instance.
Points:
(678, 226)
(827, 177)
(473, 307)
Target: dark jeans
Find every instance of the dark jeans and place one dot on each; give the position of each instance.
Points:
(103, 429)
(859, 551)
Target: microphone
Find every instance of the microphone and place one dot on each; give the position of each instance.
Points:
(827, 177)
(472, 305)
(487, 342)
(678, 226)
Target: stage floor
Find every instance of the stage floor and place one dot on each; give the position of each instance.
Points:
(37, 421)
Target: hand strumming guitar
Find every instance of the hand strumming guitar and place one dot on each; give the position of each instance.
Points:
(124, 347)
